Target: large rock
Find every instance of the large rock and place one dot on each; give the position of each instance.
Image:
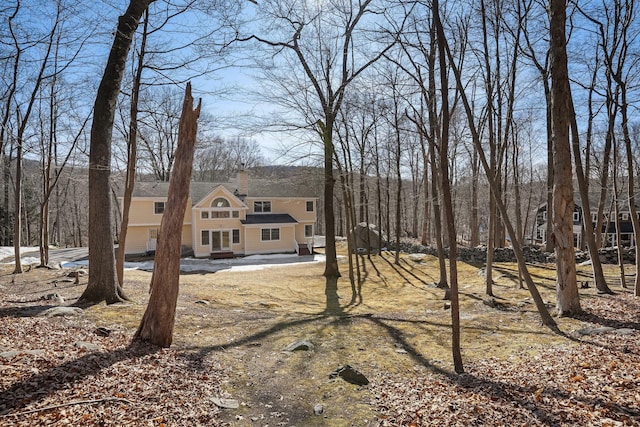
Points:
(299, 345)
(350, 375)
(62, 311)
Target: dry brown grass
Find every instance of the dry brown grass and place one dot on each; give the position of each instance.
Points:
(394, 321)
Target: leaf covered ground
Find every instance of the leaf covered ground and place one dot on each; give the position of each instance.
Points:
(232, 327)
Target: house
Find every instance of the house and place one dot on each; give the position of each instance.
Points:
(228, 219)
(608, 226)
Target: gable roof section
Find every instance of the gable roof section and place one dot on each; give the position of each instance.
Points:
(268, 219)
(218, 188)
(197, 190)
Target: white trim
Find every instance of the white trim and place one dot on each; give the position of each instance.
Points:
(149, 224)
(271, 225)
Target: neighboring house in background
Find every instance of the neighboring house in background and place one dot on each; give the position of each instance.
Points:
(608, 226)
(228, 219)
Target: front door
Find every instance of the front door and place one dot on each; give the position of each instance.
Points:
(153, 240)
(220, 240)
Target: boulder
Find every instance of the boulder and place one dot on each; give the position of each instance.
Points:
(350, 375)
(300, 345)
(62, 311)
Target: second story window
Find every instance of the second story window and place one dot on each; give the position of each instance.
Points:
(576, 216)
(262, 207)
(309, 205)
(158, 208)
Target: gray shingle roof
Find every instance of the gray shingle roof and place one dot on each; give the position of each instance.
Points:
(257, 188)
(269, 219)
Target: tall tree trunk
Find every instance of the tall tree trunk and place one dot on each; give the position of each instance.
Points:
(158, 320)
(446, 196)
(616, 212)
(398, 158)
(568, 301)
(103, 282)
(493, 155)
(596, 266)
(331, 267)
(475, 181)
(132, 151)
(549, 243)
(533, 290)
(17, 210)
(435, 168)
(600, 222)
(635, 221)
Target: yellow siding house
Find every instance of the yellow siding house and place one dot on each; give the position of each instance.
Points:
(228, 219)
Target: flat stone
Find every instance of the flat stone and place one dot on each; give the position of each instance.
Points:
(84, 345)
(6, 355)
(595, 331)
(300, 345)
(624, 331)
(62, 311)
(225, 403)
(10, 354)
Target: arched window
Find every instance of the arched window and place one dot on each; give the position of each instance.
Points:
(220, 202)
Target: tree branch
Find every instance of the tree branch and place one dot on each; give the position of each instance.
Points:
(63, 405)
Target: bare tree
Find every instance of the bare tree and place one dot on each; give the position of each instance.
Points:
(23, 115)
(103, 282)
(568, 300)
(322, 44)
(531, 13)
(473, 129)
(132, 147)
(446, 190)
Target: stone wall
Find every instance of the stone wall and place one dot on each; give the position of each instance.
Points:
(478, 255)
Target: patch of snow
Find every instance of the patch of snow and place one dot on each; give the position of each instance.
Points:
(247, 263)
(9, 251)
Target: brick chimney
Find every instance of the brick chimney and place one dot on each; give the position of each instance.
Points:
(242, 181)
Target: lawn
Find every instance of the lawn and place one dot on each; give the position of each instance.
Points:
(232, 328)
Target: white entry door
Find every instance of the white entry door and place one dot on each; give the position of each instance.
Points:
(220, 240)
(153, 240)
